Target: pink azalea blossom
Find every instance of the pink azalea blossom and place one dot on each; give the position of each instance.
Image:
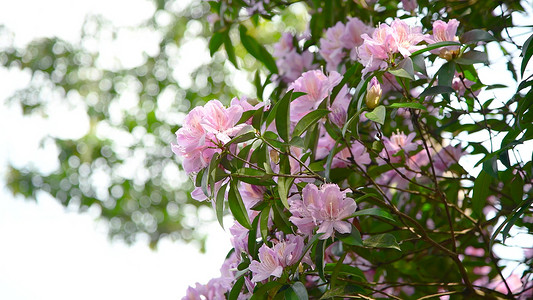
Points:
(351, 38)
(461, 85)
(386, 41)
(291, 64)
(204, 129)
(331, 47)
(284, 46)
(446, 157)
(326, 207)
(409, 5)
(269, 264)
(317, 87)
(444, 32)
(398, 141)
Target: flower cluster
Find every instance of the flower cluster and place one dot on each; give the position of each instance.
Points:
(327, 208)
(377, 51)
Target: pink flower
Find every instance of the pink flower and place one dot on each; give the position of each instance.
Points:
(409, 5)
(351, 37)
(387, 41)
(317, 87)
(284, 45)
(331, 47)
(204, 130)
(398, 141)
(269, 264)
(326, 207)
(291, 64)
(344, 157)
(446, 157)
(461, 85)
(444, 32)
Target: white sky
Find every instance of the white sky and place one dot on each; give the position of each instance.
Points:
(47, 252)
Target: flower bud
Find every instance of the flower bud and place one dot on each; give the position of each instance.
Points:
(373, 93)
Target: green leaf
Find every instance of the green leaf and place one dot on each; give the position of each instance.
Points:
(284, 185)
(481, 192)
(280, 219)
(263, 222)
(385, 240)
(476, 35)
(245, 134)
(436, 90)
(346, 269)
(282, 116)
(308, 120)
(419, 64)
(414, 105)
(435, 46)
(230, 50)
(236, 205)
(216, 41)
(510, 221)
(299, 289)
(335, 292)
(378, 212)
(527, 52)
(377, 115)
(219, 204)
(352, 238)
(236, 289)
(257, 50)
(473, 57)
(446, 74)
(319, 258)
(517, 188)
(259, 177)
(252, 235)
(405, 69)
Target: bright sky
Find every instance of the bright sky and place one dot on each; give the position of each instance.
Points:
(48, 252)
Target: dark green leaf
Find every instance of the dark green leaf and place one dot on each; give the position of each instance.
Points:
(473, 57)
(219, 204)
(236, 289)
(308, 120)
(353, 238)
(446, 74)
(237, 206)
(476, 35)
(436, 90)
(230, 50)
(283, 116)
(346, 269)
(481, 192)
(215, 42)
(257, 50)
(527, 52)
(300, 291)
(405, 69)
(385, 240)
(414, 105)
(378, 212)
(319, 258)
(434, 46)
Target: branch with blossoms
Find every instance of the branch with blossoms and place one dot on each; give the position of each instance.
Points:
(346, 182)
